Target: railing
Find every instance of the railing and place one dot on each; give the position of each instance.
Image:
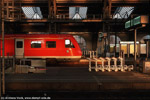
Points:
(88, 53)
(19, 17)
(106, 64)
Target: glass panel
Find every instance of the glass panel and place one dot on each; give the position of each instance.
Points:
(35, 44)
(112, 48)
(132, 49)
(50, 44)
(19, 44)
(77, 12)
(32, 12)
(123, 12)
(81, 42)
(124, 48)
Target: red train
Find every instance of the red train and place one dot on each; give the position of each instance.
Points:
(59, 46)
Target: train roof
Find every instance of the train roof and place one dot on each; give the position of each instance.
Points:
(37, 35)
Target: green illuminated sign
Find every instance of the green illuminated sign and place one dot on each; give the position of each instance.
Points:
(127, 24)
(136, 21)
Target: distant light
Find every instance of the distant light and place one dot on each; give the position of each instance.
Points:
(67, 42)
(112, 45)
(32, 12)
(143, 25)
(123, 12)
(128, 42)
(38, 42)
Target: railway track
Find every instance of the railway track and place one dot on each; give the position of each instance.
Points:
(82, 95)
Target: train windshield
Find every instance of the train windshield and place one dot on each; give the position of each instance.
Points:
(69, 44)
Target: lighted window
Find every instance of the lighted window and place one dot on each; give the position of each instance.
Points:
(50, 44)
(69, 44)
(35, 44)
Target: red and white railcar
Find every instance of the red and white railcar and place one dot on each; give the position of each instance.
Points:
(59, 46)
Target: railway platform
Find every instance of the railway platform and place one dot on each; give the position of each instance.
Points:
(77, 79)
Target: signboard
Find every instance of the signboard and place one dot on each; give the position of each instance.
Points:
(143, 49)
(146, 67)
(127, 24)
(143, 19)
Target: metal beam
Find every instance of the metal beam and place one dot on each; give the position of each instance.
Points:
(58, 21)
(55, 8)
(50, 8)
(135, 34)
(130, 1)
(110, 5)
(106, 9)
(84, 1)
(78, 1)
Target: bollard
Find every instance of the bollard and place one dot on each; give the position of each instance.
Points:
(114, 67)
(107, 67)
(93, 54)
(101, 67)
(90, 54)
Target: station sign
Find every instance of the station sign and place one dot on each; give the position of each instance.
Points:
(101, 35)
(146, 67)
(143, 19)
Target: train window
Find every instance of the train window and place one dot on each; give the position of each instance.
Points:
(50, 44)
(69, 44)
(35, 44)
(19, 44)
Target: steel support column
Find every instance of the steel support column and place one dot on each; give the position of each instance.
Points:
(3, 58)
(135, 33)
(55, 28)
(55, 12)
(50, 15)
(0, 42)
(115, 37)
(110, 5)
(147, 46)
(55, 8)
(104, 39)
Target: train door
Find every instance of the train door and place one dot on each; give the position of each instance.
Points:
(19, 48)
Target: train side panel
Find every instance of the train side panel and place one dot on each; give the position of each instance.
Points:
(60, 51)
(9, 47)
(43, 51)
